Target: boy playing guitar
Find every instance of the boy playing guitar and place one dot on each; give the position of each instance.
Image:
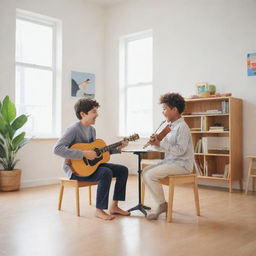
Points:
(83, 132)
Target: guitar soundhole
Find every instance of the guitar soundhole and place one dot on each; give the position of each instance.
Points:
(92, 162)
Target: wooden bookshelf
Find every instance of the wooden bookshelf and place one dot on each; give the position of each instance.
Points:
(201, 114)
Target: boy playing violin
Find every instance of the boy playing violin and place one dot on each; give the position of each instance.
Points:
(178, 147)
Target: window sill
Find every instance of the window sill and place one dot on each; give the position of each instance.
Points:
(44, 138)
(121, 137)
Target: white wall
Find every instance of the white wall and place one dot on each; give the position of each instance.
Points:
(83, 37)
(193, 41)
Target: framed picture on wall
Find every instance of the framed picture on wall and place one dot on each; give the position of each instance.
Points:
(82, 84)
(251, 64)
(202, 88)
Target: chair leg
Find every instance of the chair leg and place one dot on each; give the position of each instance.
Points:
(60, 196)
(196, 196)
(248, 177)
(241, 185)
(253, 184)
(77, 201)
(230, 186)
(90, 195)
(247, 184)
(170, 203)
(142, 192)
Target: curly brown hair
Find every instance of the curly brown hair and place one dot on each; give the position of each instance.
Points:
(173, 100)
(85, 105)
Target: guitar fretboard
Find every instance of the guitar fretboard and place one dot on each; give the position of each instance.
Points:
(107, 148)
(117, 144)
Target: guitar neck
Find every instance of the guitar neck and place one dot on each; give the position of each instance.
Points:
(107, 148)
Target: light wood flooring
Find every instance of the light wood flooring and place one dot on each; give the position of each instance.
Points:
(30, 224)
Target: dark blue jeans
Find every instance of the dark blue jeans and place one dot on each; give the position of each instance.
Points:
(104, 175)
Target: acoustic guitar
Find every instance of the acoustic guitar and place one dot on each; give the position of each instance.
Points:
(86, 167)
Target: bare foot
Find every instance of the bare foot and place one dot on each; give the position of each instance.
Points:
(117, 210)
(103, 215)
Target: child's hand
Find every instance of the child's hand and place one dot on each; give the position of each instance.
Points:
(124, 144)
(154, 141)
(90, 155)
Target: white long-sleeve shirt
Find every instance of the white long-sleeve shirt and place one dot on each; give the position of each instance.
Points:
(178, 145)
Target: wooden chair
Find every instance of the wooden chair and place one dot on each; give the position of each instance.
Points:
(251, 173)
(173, 180)
(65, 182)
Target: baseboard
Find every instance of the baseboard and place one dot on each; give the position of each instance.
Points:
(39, 182)
(42, 182)
(133, 171)
(213, 184)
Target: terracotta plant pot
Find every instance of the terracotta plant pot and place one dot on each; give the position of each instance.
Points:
(10, 180)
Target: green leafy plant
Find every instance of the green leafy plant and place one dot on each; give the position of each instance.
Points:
(10, 141)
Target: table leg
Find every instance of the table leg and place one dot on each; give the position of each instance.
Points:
(140, 206)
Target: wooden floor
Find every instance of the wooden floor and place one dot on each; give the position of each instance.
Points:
(31, 225)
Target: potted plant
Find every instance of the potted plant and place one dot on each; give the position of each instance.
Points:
(10, 143)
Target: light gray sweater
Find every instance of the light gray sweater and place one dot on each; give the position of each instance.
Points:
(76, 133)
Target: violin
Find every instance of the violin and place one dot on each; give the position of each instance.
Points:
(160, 135)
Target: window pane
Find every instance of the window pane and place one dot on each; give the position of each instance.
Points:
(139, 61)
(139, 110)
(34, 97)
(33, 43)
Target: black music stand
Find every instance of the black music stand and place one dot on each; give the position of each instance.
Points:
(139, 206)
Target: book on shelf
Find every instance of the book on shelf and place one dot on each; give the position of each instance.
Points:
(213, 111)
(204, 145)
(206, 169)
(217, 175)
(216, 128)
(224, 107)
(199, 167)
(218, 151)
(203, 123)
(198, 147)
(195, 129)
(226, 171)
(214, 145)
(218, 143)
(207, 112)
(197, 113)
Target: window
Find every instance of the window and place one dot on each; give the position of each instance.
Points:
(136, 84)
(37, 81)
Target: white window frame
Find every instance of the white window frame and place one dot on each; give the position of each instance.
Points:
(123, 81)
(55, 68)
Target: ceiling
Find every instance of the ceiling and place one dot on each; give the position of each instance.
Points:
(106, 2)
